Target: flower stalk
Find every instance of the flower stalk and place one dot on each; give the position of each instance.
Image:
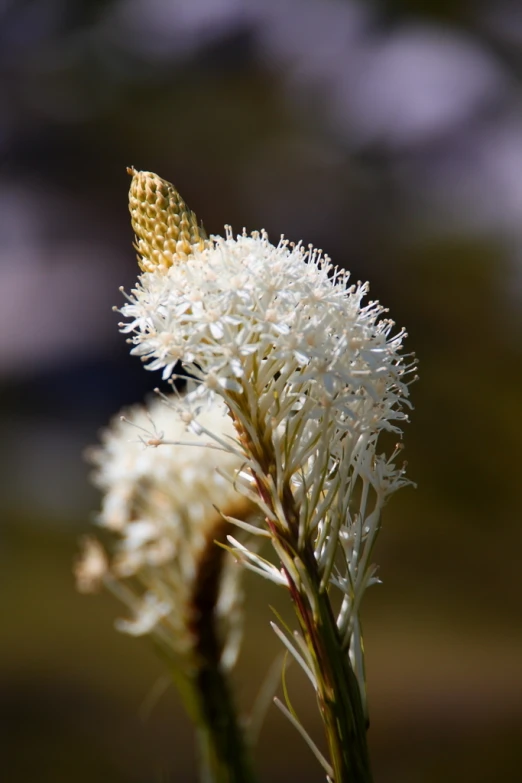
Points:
(222, 743)
(338, 692)
(336, 685)
(223, 752)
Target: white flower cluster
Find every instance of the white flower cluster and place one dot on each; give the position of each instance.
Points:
(244, 310)
(162, 483)
(311, 374)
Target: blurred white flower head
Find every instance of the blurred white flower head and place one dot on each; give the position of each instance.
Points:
(162, 485)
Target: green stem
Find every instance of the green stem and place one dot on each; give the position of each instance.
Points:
(207, 697)
(338, 691)
(206, 690)
(222, 744)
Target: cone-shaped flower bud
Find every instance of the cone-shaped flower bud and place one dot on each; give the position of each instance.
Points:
(167, 231)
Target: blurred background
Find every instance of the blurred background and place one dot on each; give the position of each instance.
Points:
(388, 133)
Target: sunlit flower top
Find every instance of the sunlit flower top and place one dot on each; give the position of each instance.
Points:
(162, 485)
(241, 309)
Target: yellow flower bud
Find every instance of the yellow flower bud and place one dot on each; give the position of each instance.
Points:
(167, 231)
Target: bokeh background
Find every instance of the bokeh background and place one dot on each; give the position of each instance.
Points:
(389, 133)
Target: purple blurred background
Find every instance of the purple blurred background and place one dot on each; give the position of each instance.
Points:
(390, 135)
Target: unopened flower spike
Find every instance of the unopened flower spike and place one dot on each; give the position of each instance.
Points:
(167, 231)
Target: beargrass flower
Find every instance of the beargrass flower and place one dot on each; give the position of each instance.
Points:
(168, 501)
(160, 501)
(312, 373)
